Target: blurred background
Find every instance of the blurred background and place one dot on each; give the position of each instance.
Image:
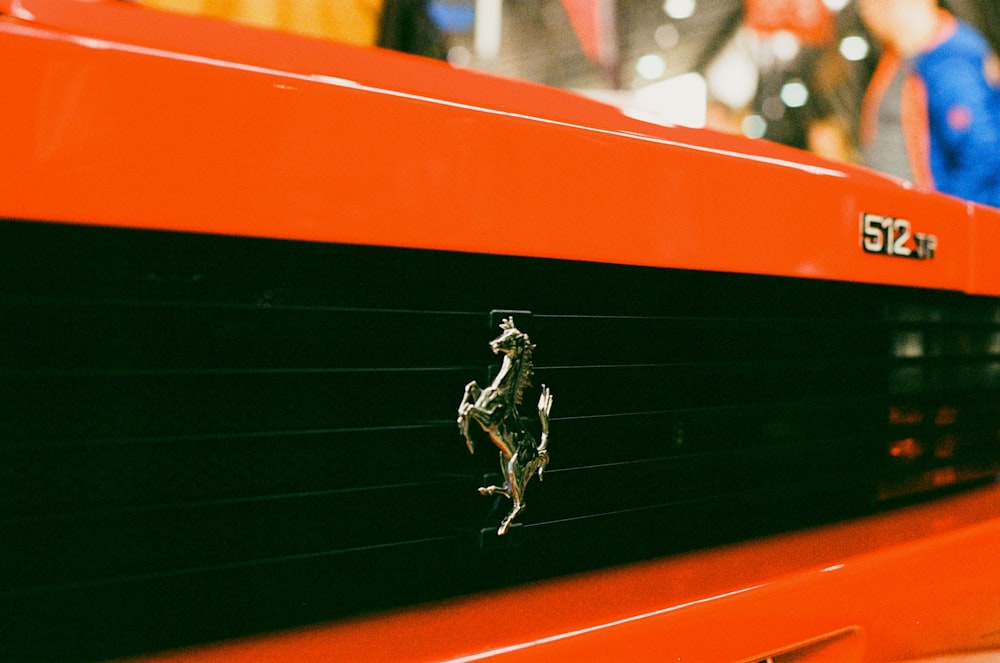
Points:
(791, 71)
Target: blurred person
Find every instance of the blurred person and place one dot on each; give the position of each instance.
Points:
(932, 111)
(830, 134)
(830, 138)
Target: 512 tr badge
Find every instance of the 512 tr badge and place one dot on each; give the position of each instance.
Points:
(894, 237)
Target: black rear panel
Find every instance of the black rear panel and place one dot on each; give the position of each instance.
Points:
(204, 437)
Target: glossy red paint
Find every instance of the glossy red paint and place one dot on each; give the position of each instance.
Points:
(132, 117)
(918, 582)
(984, 268)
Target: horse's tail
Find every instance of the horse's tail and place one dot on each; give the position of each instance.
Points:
(544, 407)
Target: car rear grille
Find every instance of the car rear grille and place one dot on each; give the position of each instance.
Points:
(210, 436)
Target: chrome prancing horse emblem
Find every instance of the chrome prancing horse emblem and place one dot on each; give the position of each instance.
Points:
(495, 410)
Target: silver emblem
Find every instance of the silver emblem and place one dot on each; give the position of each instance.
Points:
(495, 410)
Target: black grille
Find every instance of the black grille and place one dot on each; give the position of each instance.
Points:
(205, 436)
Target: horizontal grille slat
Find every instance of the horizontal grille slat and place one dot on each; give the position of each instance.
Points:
(717, 339)
(60, 479)
(611, 389)
(98, 545)
(713, 518)
(84, 405)
(133, 336)
(643, 435)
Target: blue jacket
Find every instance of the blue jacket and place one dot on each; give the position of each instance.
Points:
(963, 115)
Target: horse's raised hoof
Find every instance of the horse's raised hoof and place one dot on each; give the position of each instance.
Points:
(494, 490)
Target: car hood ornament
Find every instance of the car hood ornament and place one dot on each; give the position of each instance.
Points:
(495, 410)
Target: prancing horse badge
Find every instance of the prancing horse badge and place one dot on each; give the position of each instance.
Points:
(495, 410)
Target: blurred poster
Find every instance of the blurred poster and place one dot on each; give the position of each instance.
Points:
(809, 20)
(594, 24)
(351, 21)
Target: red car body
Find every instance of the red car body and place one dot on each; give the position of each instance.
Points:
(214, 129)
